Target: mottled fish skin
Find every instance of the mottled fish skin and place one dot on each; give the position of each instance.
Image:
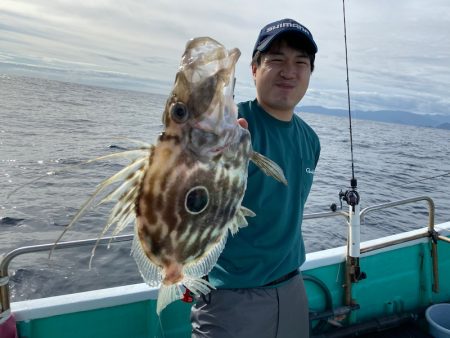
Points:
(173, 235)
(185, 192)
(196, 176)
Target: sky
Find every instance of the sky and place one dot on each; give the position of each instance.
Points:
(398, 50)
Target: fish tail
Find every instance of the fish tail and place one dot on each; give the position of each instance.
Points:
(173, 292)
(166, 295)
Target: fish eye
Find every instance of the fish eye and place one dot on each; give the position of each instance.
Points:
(179, 112)
(197, 199)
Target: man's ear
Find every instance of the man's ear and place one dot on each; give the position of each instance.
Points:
(254, 68)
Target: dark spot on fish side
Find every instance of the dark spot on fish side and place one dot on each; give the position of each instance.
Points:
(197, 199)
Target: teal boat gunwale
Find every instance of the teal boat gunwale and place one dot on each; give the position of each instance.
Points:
(82, 301)
(109, 297)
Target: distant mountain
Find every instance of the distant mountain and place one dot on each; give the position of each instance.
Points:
(391, 116)
(444, 126)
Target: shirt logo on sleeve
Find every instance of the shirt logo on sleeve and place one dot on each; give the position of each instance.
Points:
(310, 171)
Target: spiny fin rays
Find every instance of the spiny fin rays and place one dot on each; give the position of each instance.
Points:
(131, 154)
(239, 219)
(122, 214)
(166, 295)
(246, 212)
(269, 167)
(139, 162)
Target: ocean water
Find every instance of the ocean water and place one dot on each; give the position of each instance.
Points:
(48, 126)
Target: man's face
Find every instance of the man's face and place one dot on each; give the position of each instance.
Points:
(281, 79)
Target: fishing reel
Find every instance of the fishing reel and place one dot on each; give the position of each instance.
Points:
(351, 197)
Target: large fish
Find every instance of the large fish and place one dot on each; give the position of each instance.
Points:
(185, 191)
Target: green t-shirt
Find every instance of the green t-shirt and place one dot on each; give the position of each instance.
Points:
(272, 244)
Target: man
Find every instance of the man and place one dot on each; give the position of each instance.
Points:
(260, 291)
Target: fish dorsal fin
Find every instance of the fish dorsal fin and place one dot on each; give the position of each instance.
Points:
(269, 167)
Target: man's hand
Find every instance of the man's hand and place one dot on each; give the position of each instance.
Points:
(243, 123)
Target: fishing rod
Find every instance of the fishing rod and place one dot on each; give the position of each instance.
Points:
(353, 273)
(350, 196)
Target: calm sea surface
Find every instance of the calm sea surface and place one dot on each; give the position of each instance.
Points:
(50, 126)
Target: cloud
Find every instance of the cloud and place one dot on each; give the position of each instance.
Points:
(398, 51)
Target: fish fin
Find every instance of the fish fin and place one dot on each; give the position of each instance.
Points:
(198, 286)
(131, 154)
(269, 167)
(122, 214)
(246, 212)
(234, 227)
(127, 154)
(151, 273)
(166, 295)
(171, 293)
(136, 165)
(239, 220)
(203, 266)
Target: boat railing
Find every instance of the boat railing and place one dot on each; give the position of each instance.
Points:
(351, 303)
(326, 215)
(431, 233)
(6, 259)
(431, 213)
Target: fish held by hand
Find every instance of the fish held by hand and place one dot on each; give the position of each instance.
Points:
(185, 192)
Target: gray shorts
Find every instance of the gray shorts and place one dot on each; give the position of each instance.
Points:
(280, 312)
